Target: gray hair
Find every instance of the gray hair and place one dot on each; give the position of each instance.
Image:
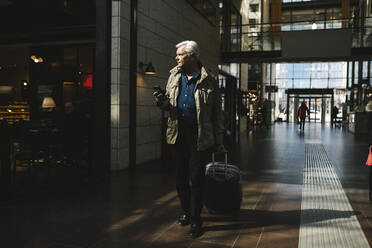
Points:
(191, 47)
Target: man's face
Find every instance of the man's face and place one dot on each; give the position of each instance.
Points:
(182, 58)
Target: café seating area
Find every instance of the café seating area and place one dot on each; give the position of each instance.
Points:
(38, 154)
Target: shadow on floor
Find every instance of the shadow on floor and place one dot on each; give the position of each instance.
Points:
(246, 219)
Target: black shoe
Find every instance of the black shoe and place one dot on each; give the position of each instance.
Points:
(370, 196)
(196, 230)
(183, 220)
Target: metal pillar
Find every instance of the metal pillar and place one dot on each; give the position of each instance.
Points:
(102, 89)
(133, 85)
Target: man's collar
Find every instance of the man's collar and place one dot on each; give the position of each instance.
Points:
(175, 70)
(196, 75)
(203, 72)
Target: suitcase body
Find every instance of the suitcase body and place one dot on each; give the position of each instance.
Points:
(223, 192)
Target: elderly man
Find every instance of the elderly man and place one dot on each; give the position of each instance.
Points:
(195, 127)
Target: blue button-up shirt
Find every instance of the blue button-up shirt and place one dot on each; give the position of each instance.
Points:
(186, 102)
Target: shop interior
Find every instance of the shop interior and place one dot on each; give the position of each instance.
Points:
(46, 104)
(46, 83)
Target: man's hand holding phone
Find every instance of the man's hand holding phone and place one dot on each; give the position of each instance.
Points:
(158, 94)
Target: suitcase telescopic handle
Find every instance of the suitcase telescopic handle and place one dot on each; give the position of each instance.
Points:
(213, 163)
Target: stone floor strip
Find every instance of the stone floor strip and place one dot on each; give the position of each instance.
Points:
(327, 218)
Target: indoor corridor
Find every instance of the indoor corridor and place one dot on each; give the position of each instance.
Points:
(300, 189)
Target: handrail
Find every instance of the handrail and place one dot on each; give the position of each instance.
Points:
(283, 31)
(267, 36)
(298, 1)
(292, 22)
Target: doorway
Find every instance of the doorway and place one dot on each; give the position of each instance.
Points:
(320, 106)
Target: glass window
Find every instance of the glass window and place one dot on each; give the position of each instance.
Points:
(301, 83)
(339, 83)
(319, 83)
(314, 75)
(365, 70)
(297, 71)
(333, 24)
(283, 83)
(302, 26)
(252, 21)
(370, 74)
(350, 70)
(290, 69)
(283, 70)
(356, 64)
(253, 7)
(337, 70)
(290, 83)
(236, 22)
(319, 70)
(286, 27)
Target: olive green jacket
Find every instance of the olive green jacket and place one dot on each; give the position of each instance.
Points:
(208, 109)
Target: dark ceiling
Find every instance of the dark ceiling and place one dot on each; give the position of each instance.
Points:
(45, 20)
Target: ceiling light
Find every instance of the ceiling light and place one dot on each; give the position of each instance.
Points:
(150, 70)
(37, 59)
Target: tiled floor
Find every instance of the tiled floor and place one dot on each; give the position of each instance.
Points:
(139, 210)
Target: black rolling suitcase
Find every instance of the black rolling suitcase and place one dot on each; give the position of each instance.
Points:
(223, 191)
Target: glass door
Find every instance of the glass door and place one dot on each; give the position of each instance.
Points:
(315, 107)
(327, 109)
(319, 106)
(291, 112)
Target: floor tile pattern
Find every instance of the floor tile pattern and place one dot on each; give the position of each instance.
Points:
(327, 218)
(139, 209)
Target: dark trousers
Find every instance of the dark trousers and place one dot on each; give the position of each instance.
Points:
(302, 122)
(190, 168)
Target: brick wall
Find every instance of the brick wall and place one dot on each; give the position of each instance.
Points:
(161, 25)
(120, 85)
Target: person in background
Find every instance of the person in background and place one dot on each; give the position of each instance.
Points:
(264, 111)
(302, 112)
(195, 127)
(334, 114)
